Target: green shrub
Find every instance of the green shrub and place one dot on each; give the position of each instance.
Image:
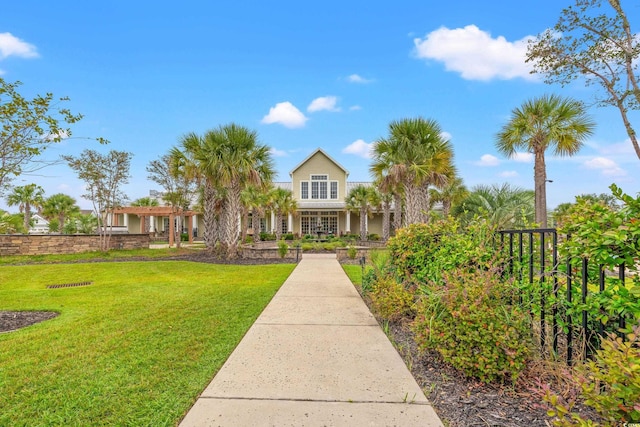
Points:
(352, 252)
(283, 248)
(610, 384)
(469, 320)
(423, 252)
(288, 236)
(306, 247)
(267, 236)
(184, 237)
(373, 237)
(390, 299)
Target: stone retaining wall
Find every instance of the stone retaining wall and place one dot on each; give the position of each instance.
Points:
(293, 254)
(343, 253)
(42, 244)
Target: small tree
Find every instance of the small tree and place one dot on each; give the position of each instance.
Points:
(26, 197)
(104, 174)
(171, 171)
(27, 128)
(593, 39)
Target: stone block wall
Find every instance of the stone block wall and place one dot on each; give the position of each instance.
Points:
(269, 253)
(36, 244)
(343, 253)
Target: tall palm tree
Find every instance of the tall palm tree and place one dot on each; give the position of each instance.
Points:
(26, 197)
(416, 156)
(281, 201)
(145, 201)
(60, 206)
(363, 199)
(504, 206)
(227, 160)
(542, 123)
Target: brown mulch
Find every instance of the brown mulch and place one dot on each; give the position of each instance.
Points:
(461, 401)
(14, 320)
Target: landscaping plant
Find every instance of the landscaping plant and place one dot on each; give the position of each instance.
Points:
(469, 319)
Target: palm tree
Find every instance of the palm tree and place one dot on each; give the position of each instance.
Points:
(60, 206)
(449, 195)
(363, 199)
(416, 156)
(227, 160)
(541, 123)
(26, 197)
(504, 206)
(281, 201)
(254, 200)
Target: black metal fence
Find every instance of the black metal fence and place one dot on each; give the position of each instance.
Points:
(557, 292)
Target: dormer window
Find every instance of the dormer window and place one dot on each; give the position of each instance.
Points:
(321, 188)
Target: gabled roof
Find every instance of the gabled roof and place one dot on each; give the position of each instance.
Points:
(313, 154)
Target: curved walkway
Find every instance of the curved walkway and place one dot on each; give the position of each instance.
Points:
(315, 356)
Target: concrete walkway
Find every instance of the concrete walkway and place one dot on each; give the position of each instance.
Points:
(315, 357)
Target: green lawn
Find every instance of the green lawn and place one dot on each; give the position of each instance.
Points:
(134, 348)
(354, 272)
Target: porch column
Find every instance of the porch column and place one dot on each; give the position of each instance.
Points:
(348, 221)
(152, 226)
(273, 221)
(125, 217)
(366, 223)
(141, 223)
(290, 223)
(189, 228)
(172, 229)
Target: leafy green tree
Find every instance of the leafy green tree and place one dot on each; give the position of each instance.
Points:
(550, 121)
(594, 39)
(103, 174)
(281, 201)
(26, 197)
(27, 128)
(174, 173)
(363, 199)
(502, 206)
(60, 207)
(416, 156)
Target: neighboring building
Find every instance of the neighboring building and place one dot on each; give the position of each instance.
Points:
(319, 186)
(39, 225)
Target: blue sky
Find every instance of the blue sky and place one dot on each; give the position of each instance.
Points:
(303, 75)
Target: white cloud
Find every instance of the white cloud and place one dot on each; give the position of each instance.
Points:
(355, 108)
(278, 153)
(620, 148)
(446, 136)
(355, 78)
(523, 157)
(13, 46)
(508, 174)
(327, 103)
(286, 114)
(488, 160)
(475, 54)
(360, 148)
(607, 166)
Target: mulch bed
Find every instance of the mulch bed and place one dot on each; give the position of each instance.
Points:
(14, 320)
(463, 402)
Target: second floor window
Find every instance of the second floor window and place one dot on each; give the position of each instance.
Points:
(321, 188)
